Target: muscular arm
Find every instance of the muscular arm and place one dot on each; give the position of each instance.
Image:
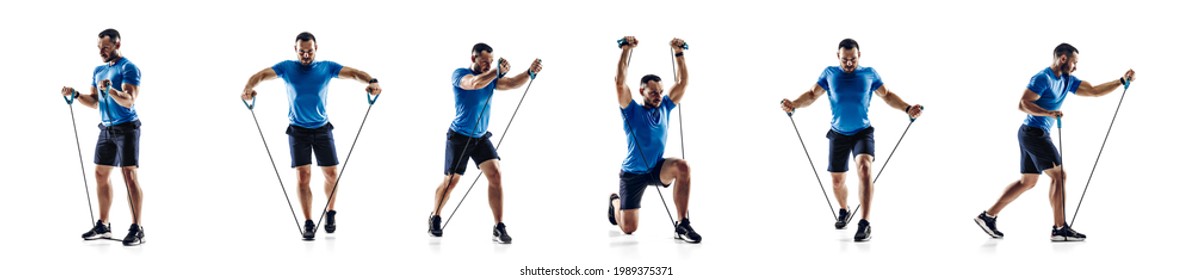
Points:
(677, 91)
(1087, 89)
(513, 82)
(623, 91)
(805, 99)
(472, 82)
(91, 100)
(263, 75)
(355, 74)
(125, 97)
(891, 98)
(1027, 104)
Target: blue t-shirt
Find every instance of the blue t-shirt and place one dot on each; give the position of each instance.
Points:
(649, 125)
(849, 94)
(469, 105)
(1052, 90)
(307, 88)
(122, 72)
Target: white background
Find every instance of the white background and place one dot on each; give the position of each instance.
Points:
(213, 207)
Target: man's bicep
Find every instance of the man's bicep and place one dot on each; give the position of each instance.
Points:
(1029, 96)
(268, 73)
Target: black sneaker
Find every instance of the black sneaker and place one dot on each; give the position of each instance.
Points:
(308, 232)
(612, 215)
(434, 223)
(987, 224)
(1066, 233)
(499, 234)
(100, 231)
(136, 236)
(330, 227)
(842, 218)
(684, 231)
(863, 231)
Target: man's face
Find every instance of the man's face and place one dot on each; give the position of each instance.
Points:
(652, 93)
(306, 51)
(482, 61)
(107, 48)
(849, 59)
(1067, 63)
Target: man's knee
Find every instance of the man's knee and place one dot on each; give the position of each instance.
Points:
(838, 179)
(629, 229)
(628, 224)
(330, 173)
(303, 171)
(682, 167)
(864, 163)
(450, 181)
(102, 173)
(128, 171)
(1057, 174)
(1029, 180)
(494, 177)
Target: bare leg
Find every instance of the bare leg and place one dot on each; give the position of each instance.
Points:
(135, 195)
(444, 191)
(678, 172)
(627, 219)
(1013, 191)
(103, 190)
(1056, 194)
(304, 189)
(839, 189)
(866, 186)
(492, 170)
(329, 184)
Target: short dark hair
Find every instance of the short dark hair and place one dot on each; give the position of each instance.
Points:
(305, 36)
(110, 33)
(481, 47)
(1064, 49)
(649, 78)
(848, 44)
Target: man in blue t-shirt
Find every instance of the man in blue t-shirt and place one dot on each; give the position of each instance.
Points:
(306, 85)
(645, 126)
(115, 86)
(849, 89)
(468, 136)
(1041, 101)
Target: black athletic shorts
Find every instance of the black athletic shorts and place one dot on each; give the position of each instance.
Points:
(840, 146)
(455, 156)
(118, 145)
(304, 140)
(1036, 151)
(633, 185)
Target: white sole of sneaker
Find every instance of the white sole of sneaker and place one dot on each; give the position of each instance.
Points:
(982, 224)
(498, 241)
(1066, 239)
(685, 238)
(107, 235)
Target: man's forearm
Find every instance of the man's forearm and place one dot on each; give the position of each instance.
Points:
(1033, 109)
(895, 101)
(1106, 88)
